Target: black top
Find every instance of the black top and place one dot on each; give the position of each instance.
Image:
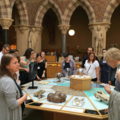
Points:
(45, 60)
(85, 58)
(40, 69)
(67, 65)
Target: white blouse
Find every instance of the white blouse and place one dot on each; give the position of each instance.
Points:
(90, 68)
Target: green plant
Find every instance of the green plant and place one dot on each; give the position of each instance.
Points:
(79, 51)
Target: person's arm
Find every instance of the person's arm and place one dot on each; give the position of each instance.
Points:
(118, 75)
(62, 67)
(74, 68)
(46, 65)
(98, 73)
(9, 90)
(23, 68)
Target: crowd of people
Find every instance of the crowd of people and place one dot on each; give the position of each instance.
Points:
(15, 71)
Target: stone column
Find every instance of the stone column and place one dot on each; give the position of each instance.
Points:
(104, 28)
(64, 29)
(5, 23)
(39, 43)
(22, 32)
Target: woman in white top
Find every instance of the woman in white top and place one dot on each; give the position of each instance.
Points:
(92, 67)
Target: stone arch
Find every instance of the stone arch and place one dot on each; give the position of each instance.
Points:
(22, 10)
(44, 8)
(73, 5)
(109, 10)
(5, 9)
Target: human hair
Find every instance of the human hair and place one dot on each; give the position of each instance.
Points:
(112, 54)
(65, 54)
(93, 58)
(92, 48)
(13, 51)
(38, 54)
(6, 45)
(104, 49)
(28, 53)
(6, 59)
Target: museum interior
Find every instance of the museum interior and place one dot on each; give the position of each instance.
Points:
(55, 27)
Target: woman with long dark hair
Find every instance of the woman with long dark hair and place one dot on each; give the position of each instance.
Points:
(24, 65)
(92, 67)
(11, 98)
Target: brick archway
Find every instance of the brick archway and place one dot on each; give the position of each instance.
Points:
(73, 5)
(5, 9)
(44, 8)
(22, 10)
(109, 10)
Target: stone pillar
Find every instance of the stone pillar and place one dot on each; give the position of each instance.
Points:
(22, 32)
(39, 43)
(64, 29)
(94, 28)
(5, 23)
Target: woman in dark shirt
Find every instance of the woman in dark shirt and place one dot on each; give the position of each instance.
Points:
(104, 69)
(41, 67)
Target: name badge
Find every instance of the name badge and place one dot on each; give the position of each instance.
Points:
(63, 64)
(38, 67)
(104, 62)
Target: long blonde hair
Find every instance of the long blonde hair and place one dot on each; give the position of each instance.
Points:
(112, 54)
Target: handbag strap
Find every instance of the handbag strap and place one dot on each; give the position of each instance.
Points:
(89, 68)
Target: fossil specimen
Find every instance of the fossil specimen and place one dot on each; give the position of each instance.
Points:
(39, 93)
(57, 97)
(78, 101)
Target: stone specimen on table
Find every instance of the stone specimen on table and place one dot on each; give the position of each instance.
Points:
(49, 97)
(44, 82)
(39, 93)
(78, 101)
(101, 95)
(58, 97)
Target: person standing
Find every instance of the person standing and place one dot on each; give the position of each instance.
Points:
(24, 68)
(45, 61)
(112, 76)
(5, 50)
(92, 67)
(11, 98)
(90, 49)
(68, 63)
(112, 57)
(40, 67)
(104, 68)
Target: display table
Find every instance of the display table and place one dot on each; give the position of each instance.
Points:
(54, 67)
(92, 108)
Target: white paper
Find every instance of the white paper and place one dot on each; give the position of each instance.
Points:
(51, 106)
(73, 109)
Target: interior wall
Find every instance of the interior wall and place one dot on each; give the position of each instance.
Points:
(45, 34)
(113, 34)
(83, 36)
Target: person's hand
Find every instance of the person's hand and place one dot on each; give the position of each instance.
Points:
(107, 89)
(43, 75)
(25, 95)
(106, 110)
(109, 82)
(98, 80)
(38, 78)
(27, 70)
